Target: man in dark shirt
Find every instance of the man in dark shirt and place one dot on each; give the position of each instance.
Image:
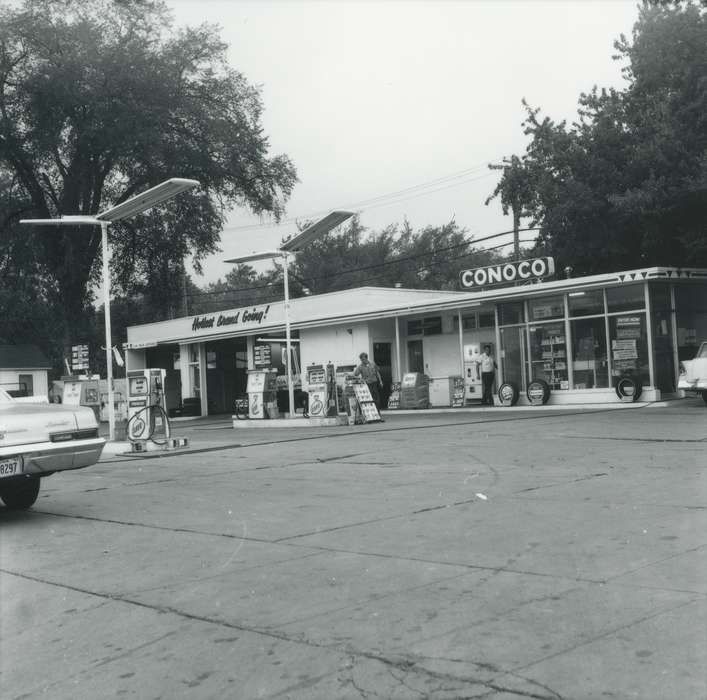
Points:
(370, 374)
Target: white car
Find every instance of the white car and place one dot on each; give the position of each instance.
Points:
(38, 439)
(693, 373)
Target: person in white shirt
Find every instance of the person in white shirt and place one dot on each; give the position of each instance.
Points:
(488, 371)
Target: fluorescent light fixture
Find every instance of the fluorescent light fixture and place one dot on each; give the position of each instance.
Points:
(576, 294)
(321, 227)
(264, 255)
(148, 199)
(276, 340)
(64, 221)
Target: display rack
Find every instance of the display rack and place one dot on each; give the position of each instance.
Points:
(369, 412)
(552, 367)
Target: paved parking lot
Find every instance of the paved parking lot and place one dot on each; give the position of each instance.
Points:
(485, 554)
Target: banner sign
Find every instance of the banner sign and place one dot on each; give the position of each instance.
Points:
(507, 272)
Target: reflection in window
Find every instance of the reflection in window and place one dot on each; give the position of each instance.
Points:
(510, 313)
(630, 296)
(486, 319)
(588, 303)
(589, 358)
(546, 307)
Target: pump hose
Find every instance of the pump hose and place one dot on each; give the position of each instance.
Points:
(152, 432)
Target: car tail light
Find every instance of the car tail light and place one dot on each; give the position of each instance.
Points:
(74, 435)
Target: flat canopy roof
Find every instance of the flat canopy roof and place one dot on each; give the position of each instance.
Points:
(368, 303)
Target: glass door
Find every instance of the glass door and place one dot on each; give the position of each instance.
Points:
(513, 355)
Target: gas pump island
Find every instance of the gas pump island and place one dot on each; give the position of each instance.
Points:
(147, 411)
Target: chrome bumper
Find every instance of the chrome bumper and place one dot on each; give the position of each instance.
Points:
(41, 457)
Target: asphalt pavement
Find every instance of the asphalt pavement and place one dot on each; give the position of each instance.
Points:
(492, 553)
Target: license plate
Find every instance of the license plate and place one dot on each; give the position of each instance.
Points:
(10, 466)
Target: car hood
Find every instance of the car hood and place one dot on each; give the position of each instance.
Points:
(24, 423)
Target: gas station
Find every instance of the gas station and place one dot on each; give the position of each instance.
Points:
(584, 340)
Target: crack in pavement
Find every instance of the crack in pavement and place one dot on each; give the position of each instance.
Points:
(403, 663)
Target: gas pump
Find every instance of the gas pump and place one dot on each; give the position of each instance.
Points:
(473, 389)
(146, 404)
(317, 390)
(262, 390)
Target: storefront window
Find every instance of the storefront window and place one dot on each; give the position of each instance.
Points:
(468, 322)
(626, 298)
(432, 325)
(546, 307)
(589, 358)
(589, 303)
(487, 319)
(629, 347)
(548, 354)
(511, 313)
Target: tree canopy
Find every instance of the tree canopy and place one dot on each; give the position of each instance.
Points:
(100, 100)
(625, 186)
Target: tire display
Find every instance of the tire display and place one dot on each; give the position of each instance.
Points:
(538, 392)
(629, 389)
(20, 493)
(508, 394)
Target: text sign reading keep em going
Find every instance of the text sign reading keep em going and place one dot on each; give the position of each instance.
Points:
(507, 272)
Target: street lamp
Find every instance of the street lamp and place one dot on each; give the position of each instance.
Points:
(135, 205)
(284, 252)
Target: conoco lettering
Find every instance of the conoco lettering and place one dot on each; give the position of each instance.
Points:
(538, 267)
(508, 272)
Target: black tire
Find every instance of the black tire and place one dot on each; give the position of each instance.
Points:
(538, 392)
(21, 493)
(508, 394)
(628, 388)
(704, 396)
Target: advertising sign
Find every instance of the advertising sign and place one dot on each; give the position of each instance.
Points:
(262, 355)
(79, 357)
(505, 273)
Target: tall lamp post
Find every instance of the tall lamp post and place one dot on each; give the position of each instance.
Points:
(285, 252)
(135, 205)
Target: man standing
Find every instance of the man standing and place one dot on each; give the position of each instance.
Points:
(488, 370)
(370, 374)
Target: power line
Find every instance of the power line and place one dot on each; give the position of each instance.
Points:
(374, 202)
(384, 263)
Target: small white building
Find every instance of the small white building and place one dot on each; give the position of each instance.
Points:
(24, 371)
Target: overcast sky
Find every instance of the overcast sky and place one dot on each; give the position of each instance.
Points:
(370, 99)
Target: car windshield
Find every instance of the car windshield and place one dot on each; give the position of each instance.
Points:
(5, 397)
(702, 352)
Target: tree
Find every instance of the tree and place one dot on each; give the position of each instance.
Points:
(626, 185)
(352, 257)
(100, 100)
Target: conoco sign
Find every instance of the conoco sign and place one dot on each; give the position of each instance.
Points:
(507, 272)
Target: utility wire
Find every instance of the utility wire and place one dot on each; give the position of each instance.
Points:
(394, 261)
(379, 200)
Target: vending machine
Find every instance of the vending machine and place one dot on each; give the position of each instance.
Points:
(262, 390)
(473, 389)
(146, 403)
